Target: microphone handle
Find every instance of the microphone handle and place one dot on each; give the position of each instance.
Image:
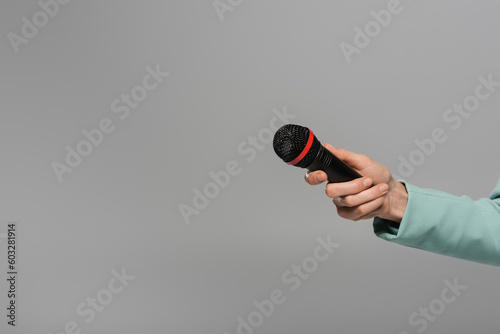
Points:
(335, 169)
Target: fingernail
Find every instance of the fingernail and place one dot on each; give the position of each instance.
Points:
(321, 177)
(367, 182)
(383, 188)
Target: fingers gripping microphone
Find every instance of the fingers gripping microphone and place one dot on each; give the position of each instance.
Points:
(298, 146)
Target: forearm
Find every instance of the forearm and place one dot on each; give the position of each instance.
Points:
(442, 223)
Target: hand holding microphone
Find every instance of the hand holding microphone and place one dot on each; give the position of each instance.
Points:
(360, 187)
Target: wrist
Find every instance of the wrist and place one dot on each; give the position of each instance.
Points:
(398, 199)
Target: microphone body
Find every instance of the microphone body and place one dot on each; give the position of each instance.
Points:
(335, 169)
(298, 146)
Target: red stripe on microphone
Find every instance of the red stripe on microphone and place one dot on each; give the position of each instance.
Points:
(305, 151)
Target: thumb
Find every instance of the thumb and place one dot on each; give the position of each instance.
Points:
(354, 160)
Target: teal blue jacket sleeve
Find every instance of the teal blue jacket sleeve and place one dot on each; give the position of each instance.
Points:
(438, 222)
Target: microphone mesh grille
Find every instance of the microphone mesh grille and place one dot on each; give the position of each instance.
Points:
(289, 142)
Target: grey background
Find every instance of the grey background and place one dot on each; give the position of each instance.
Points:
(120, 207)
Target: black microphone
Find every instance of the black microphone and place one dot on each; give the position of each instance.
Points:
(298, 146)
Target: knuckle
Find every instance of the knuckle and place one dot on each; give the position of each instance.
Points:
(349, 201)
(344, 212)
(362, 210)
(360, 186)
(365, 159)
(330, 191)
